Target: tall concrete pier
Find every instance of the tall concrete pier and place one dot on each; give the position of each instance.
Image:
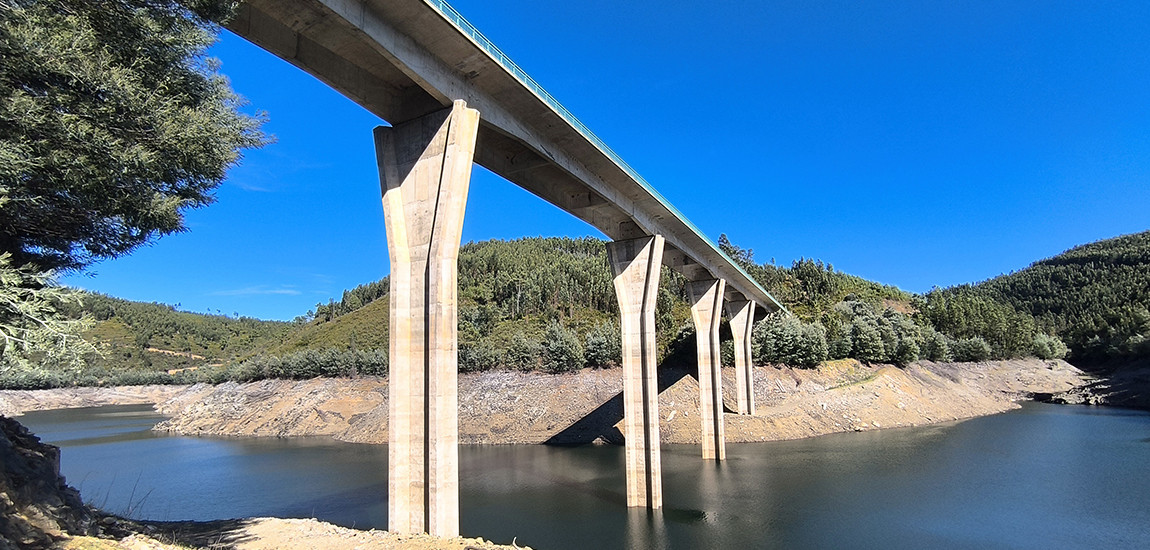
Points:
(742, 317)
(636, 265)
(706, 311)
(425, 169)
(412, 63)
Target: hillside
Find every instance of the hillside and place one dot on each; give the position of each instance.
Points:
(1096, 297)
(548, 304)
(150, 337)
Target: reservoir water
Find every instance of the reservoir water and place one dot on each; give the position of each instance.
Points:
(1041, 477)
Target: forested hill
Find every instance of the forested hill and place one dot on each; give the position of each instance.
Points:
(548, 304)
(1096, 297)
(145, 336)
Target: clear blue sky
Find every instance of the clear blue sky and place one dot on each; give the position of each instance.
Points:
(915, 143)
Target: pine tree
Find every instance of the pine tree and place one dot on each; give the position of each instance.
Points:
(112, 124)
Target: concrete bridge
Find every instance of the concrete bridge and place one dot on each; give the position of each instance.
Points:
(452, 98)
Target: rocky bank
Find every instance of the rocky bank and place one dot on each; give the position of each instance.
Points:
(497, 407)
(504, 407)
(37, 508)
(39, 511)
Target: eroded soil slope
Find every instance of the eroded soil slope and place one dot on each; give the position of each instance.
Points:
(17, 402)
(502, 407)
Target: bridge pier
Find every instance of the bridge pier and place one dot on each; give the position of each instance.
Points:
(636, 265)
(742, 318)
(425, 170)
(706, 310)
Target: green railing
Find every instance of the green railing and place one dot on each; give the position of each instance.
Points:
(501, 58)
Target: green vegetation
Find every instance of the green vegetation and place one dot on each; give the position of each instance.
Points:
(32, 334)
(1094, 297)
(548, 305)
(837, 316)
(112, 123)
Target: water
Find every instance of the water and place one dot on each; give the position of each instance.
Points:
(1043, 477)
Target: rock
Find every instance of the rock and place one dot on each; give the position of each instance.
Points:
(37, 507)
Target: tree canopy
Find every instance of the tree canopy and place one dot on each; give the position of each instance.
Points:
(1096, 297)
(112, 123)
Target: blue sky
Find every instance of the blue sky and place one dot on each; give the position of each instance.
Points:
(915, 143)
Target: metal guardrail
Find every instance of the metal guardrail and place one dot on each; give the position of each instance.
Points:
(501, 58)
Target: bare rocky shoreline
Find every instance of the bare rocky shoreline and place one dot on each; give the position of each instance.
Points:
(506, 407)
(503, 407)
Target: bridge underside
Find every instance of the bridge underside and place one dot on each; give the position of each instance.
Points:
(452, 99)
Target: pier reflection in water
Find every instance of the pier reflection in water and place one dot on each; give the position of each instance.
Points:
(1042, 477)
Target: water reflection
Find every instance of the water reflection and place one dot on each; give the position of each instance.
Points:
(1042, 477)
(645, 529)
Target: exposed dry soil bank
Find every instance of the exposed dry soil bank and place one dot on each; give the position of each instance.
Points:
(17, 402)
(512, 407)
(502, 407)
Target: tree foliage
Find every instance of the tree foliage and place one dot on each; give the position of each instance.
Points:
(31, 331)
(1095, 297)
(963, 313)
(562, 351)
(789, 341)
(603, 346)
(351, 300)
(112, 123)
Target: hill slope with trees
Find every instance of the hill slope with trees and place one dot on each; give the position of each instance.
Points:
(548, 304)
(1096, 297)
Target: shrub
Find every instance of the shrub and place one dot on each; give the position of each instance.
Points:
(477, 357)
(935, 346)
(562, 351)
(840, 348)
(727, 354)
(908, 341)
(866, 341)
(1048, 347)
(523, 353)
(301, 365)
(971, 349)
(792, 342)
(604, 346)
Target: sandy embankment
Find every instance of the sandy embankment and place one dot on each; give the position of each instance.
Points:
(268, 534)
(503, 407)
(17, 402)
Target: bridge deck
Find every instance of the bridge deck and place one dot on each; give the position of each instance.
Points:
(402, 59)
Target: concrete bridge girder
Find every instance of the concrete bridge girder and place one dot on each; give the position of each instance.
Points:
(403, 59)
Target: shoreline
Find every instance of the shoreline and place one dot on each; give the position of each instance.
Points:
(507, 407)
(502, 407)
